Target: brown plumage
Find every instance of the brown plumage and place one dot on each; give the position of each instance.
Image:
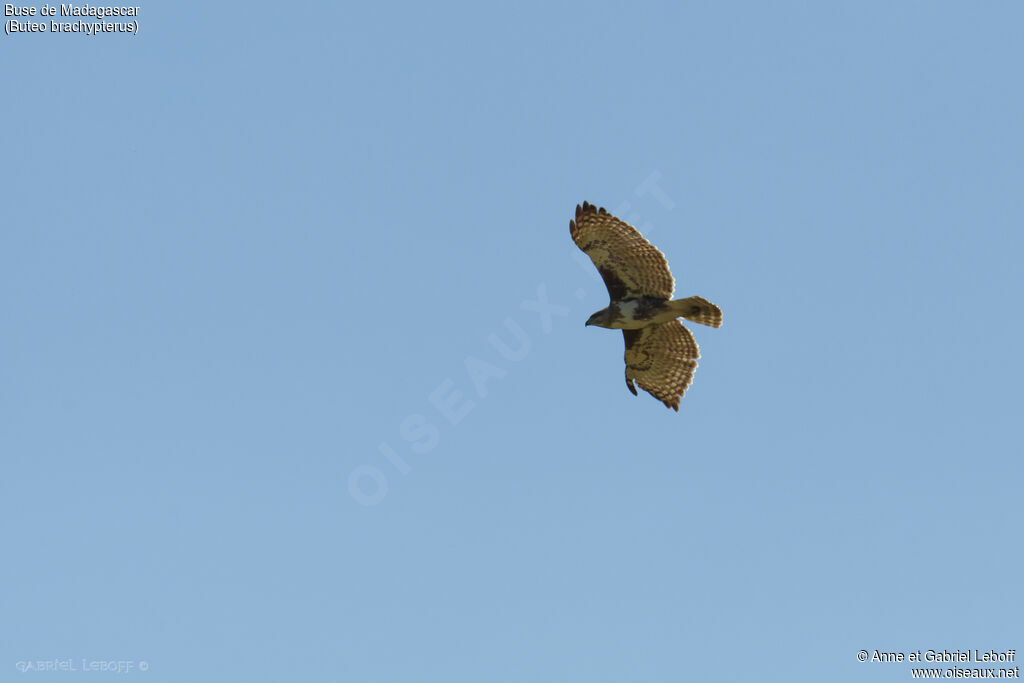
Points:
(661, 354)
(662, 359)
(628, 263)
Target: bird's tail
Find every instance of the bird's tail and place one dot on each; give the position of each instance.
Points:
(699, 310)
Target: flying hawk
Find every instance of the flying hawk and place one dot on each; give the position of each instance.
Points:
(661, 354)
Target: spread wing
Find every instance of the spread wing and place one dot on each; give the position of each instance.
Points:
(662, 359)
(630, 265)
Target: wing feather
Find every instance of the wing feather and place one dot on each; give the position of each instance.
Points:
(661, 359)
(629, 265)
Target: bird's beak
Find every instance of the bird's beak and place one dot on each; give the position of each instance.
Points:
(586, 324)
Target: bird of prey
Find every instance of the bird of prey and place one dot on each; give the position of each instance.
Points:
(661, 354)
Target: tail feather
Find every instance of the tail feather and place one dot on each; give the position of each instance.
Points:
(699, 310)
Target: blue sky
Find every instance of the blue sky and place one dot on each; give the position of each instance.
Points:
(254, 258)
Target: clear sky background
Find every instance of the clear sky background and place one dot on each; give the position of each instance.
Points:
(253, 258)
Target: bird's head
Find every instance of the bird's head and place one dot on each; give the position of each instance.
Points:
(600, 319)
